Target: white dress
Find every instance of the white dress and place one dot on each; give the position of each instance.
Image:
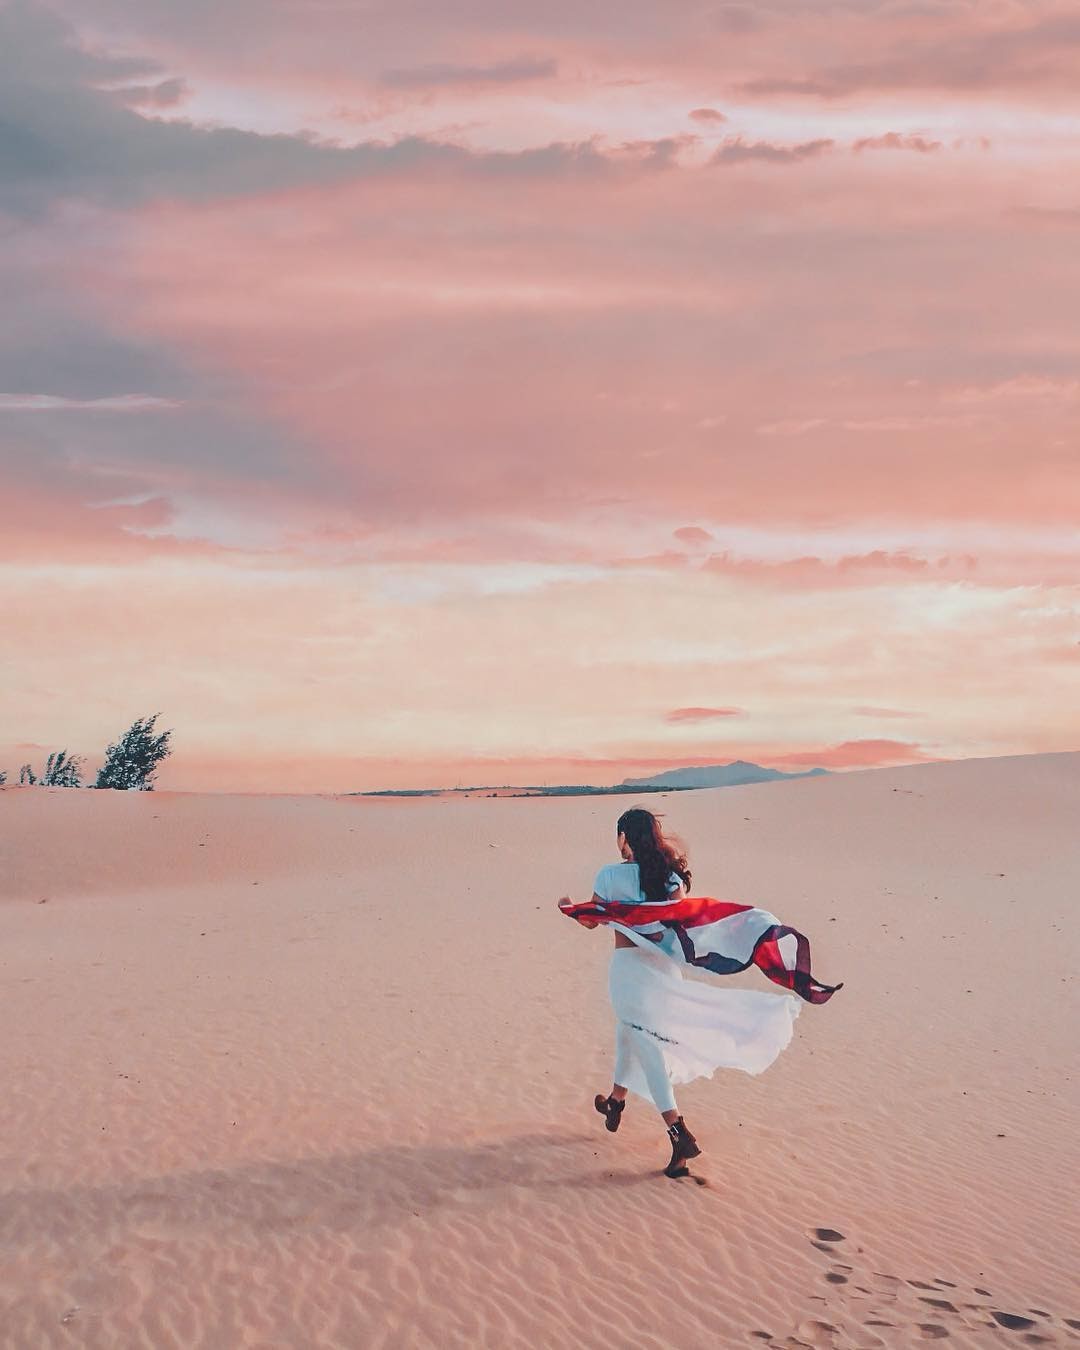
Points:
(700, 1025)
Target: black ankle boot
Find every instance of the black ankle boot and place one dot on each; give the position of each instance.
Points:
(683, 1145)
(612, 1109)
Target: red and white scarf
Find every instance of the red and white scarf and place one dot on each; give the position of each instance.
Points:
(716, 935)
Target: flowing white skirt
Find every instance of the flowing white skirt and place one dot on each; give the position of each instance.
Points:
(700, 1026)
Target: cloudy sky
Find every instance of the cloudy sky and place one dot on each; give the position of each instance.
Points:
(398, 394)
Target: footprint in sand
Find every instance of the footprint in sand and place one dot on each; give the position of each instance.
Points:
(1013, 1321)
(817, 1333)
(886, 1286)
(823, 1238)
(853, 1285)
(820, 1333)
(941, 1304)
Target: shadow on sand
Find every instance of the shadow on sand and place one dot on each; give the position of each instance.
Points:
(371, 1189)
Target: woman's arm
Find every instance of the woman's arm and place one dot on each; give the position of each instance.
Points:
(567, 902)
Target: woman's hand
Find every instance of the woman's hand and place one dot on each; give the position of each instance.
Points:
(565, 903)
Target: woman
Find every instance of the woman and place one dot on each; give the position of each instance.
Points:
(668, 1029)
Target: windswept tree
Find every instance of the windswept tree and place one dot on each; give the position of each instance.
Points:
(133, 760)
(62, 770)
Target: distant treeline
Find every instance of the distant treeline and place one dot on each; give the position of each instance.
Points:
(574, 790)
(129, 764)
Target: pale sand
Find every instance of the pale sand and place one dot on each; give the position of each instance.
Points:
(327, 1079)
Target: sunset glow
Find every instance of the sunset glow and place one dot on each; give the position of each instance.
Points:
(398, 396)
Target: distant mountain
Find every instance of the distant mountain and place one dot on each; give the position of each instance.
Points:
(715, 775)
(674, 780)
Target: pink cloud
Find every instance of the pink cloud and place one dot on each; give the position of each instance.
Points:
(164, 94)
(894, 140)
(1065, 651)
(693, 534)
(700, 714)
(960, 51)
(736, 150)
(1038, 387)
(858, 754)
(813, 572)
(368, 325)
(450, 74)
(806, 51)
(324, 648)
(1054, 217)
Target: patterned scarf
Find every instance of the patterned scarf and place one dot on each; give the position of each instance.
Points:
(717, 935)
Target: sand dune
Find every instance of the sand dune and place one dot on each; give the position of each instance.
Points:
(317, 1071)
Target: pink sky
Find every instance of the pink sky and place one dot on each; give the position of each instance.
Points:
(397, 397)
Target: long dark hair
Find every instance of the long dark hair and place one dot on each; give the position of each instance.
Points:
(655, 856)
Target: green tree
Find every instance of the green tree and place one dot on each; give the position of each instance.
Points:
(62, 770)
(133, 760)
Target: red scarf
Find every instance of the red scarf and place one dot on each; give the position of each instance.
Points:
(718, 935)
